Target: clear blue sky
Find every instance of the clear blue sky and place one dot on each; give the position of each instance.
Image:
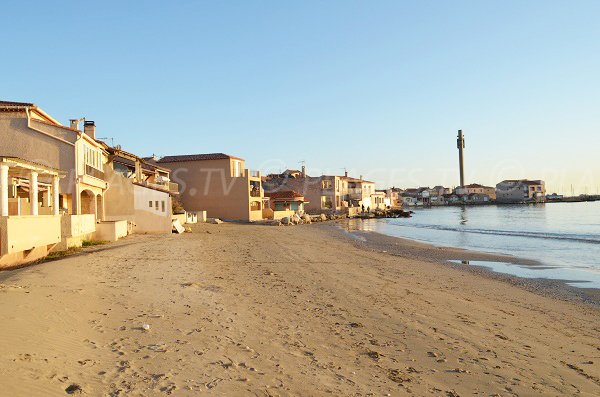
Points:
(378, 87)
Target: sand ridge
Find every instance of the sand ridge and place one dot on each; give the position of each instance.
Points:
(270, 311)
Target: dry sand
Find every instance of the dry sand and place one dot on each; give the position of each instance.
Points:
(268, 311)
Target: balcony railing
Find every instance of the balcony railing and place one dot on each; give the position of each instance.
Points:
(156, 185)
(254, 174)
(173, 187)
(96, 173)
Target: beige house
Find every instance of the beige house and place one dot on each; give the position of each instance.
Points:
(520, 190)
(34, 137)
(475, 188)
(27, 132)
(217, 183)
(139, 192)
(359, 192)
(323, 193)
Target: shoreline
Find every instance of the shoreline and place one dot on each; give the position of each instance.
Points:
(443, 255)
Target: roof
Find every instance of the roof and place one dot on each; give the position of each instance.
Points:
(16, 104)
(20, 106)
(196, 157)
(351, 179)
(477, 185)
(126, 158)
(284, 195)
(30, 164)
(524, 181)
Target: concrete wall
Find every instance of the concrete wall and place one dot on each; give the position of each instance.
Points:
(25, 239)
(110, 231)
(209, 186)
(125, 200)
(118, 199)
(155, 218)
(75, 229)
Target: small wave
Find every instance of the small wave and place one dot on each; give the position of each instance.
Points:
(513, 233)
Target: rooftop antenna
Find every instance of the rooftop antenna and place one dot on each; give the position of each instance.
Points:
(112, 140)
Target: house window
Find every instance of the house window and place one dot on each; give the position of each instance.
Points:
(156, 204)
(163, 205)
(326, 202)
(150, 204)
(237, 168)
(326, 184)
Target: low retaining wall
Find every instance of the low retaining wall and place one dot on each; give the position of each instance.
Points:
(25, 239)
(75, 229)
(110, 230)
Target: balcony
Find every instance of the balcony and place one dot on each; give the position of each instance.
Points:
(174, 188)
(94, 172)
(355, 193)
(157, 185)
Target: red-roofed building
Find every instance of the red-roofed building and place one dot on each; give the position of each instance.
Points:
(285, 203)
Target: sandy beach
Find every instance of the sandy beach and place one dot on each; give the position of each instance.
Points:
(237, 309)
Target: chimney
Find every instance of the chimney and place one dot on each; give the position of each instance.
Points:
(74, 124)
(89, 128)
(361, 178)
(346, 173)
(303, 171)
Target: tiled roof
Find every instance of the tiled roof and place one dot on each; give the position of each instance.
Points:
(288, 194)
(477, 185)
(351, 179)
(196, 157)
(524, 181)
(16, 104)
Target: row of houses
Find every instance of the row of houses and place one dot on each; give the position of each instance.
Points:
(507, 191)
(60, 185)
(326, 193)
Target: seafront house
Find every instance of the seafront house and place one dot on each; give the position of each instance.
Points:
(34, 137)
(27, 132)
(323, 193)
(379, 200)
(394, 194)
(360, 192)
(520, 191)
(139, 192)
(475, 188)
(217, 183)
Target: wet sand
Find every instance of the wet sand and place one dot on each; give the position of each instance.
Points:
(277, 311)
